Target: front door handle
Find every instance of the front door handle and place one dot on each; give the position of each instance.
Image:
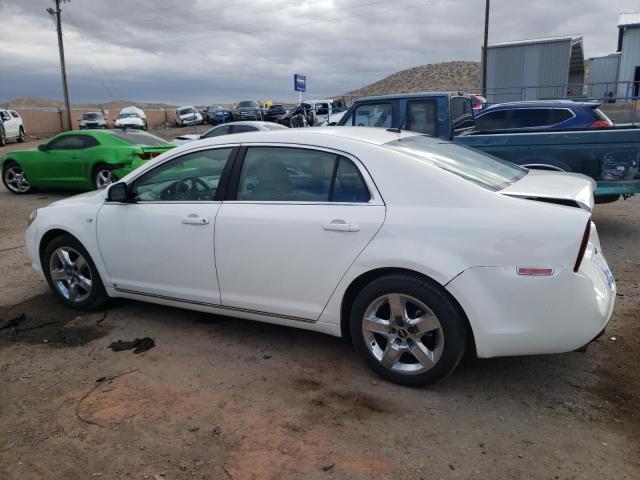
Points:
(194, 219)
(341, 226)
(75, 156)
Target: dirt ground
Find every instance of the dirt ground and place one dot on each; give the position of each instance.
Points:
(221, 398)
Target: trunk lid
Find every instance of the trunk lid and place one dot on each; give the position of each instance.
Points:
(563, 188)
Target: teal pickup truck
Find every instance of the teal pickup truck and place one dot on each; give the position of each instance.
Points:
(610, 156)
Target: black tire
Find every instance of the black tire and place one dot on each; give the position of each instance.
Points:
(450, 340)
(3, 137)
(102, 169)
(21, 135)
(13, 189)
(97, 296)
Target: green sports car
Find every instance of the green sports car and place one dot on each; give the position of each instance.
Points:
(85, 160)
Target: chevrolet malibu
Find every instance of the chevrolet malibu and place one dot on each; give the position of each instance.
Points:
(415, 249)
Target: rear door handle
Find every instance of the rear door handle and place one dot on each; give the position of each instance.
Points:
(341, 226)
(194, 219)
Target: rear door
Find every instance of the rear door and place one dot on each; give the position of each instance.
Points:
(293, 222)
(11, 125)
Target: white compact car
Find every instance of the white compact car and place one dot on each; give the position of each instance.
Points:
(229, 128)
(416, 249)
(188, 116)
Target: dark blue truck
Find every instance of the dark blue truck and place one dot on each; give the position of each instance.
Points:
(610, 156)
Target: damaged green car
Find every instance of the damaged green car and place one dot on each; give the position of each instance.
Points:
(83, 160)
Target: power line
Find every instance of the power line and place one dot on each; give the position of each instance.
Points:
(103, 75)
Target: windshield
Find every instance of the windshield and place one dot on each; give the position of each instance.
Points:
(136, 137)
(482, 169)
(185, 111)
(248, 104)
(128, 115)
(91, 116)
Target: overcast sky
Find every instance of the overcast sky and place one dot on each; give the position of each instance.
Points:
(204, 51)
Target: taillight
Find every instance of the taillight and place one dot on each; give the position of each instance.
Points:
(148, 155)
(583, 246)
(600, 123)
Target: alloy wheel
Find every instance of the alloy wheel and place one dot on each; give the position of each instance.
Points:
(104, 178)
(70, 274)
(15, 180)
(403, 334)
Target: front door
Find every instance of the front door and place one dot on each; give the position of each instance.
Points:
(62, 165)
(296, 220)
(162, 243)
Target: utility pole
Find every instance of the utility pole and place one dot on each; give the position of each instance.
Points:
(56, 15)
(484, 48)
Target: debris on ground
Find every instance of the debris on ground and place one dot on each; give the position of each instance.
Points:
(139, 344)
(328, 466)
(217, 430)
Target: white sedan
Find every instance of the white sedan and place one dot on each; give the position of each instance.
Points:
(416, 249)
(229, 128)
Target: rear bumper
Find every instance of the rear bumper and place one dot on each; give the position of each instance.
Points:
(511, 314)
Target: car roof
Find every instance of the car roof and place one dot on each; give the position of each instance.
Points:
(318, 136)
(541, 103)
(411, 95)
(253, 123)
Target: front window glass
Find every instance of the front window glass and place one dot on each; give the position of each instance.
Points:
(216, 132)
(248, 104)
(135, 137)
(192, 178)
(128, 115)
(492, 121)
(90, 116)
(285, 175)
(421, 117)
(67, 142)
(480, 168)
(372, 115)
(185, 111)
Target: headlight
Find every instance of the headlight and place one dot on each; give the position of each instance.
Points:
(32, 216)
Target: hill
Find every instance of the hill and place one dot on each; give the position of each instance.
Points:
(112, 105)
(457, 75)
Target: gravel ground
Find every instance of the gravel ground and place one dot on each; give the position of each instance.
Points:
(224, 398)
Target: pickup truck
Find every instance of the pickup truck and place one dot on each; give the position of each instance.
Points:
(610, 156)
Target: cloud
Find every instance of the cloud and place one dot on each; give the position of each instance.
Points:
(201, 51)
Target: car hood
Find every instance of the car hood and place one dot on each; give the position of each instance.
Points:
(129, 120)
(96, 197)
(555, 187)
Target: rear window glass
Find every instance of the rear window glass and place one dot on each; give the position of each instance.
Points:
(479, 168)
(275, 126)
(134, 137)
(371, 115)
(532, 117)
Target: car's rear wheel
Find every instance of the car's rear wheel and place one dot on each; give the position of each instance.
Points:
(407, 329)
(14, 179)
(72, 275)
(3, 137)
(103, 176)
(21, 135)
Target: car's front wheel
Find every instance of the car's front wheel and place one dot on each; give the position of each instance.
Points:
(3, 137)
(72, 275)
(407, 329)
(103, 177)
(14, 179)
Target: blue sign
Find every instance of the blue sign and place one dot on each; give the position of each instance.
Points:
(299, 82)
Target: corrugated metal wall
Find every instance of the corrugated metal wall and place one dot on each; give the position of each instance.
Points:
(603, 70)
(525, 65)
(630, 59)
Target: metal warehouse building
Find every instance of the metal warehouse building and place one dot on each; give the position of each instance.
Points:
(629, 48)
(535, 69)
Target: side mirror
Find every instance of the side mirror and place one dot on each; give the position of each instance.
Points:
(118, 193)
(42, 147)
